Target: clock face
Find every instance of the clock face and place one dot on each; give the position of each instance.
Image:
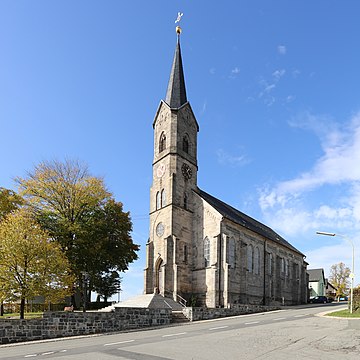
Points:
(160, 170)
(186, 171)
(160, 229)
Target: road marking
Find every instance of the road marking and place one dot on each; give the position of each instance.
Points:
(299, 315)
(219, 327)
(279, 319)
(48, 353)
(182, 333)
(31, 355)
(63, 351)
(119, 342)
(253, 322)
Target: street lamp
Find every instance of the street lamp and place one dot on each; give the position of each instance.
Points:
(352, 275)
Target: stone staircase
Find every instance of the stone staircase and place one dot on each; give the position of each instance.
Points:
(178, 317)
(152, 301)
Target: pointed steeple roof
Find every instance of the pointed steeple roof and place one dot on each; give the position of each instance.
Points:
(176, 92)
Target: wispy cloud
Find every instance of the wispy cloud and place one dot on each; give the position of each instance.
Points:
(268, 87)
(287, 204)
(225, 158)
(212, 71)
(281, 49)
(234, 72)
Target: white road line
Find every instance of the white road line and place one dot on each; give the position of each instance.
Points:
(31, 355)
(219, 327)
(299, 315)
(253, 322)
(279, 319)
(63, 351)
(48, 353)
(182, 333)
(119, 342)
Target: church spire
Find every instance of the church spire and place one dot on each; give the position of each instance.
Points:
(176, 92)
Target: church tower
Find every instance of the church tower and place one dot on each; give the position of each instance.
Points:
(174, 169)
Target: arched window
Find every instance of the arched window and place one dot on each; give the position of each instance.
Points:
(163, 198)
(250, 256)
(282, 265)
(270, 264)
(287, 268)
(185, 201)
(162, 142)
(232, 252)
(158, 201)
(186, 144)
(207, 251)
(257, 261)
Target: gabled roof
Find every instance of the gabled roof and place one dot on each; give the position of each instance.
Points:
(176, 92)
(316, 275)
(246, 221)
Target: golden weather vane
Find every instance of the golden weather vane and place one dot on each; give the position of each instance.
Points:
(178, 19)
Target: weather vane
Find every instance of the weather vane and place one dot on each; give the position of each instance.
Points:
(178, 19)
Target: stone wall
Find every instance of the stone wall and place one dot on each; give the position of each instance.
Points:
(61, 324)
(198, 313)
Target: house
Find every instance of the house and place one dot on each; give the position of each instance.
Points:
(330, 290)
(316, 282)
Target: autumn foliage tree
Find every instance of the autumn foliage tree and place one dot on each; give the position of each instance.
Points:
(339, 278)
(82, 216)
(30, 263)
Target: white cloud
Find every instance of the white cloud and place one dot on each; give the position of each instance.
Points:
(281, 49)
(212, 71)
(234, 73)
(278, 74)
(225, 158)
(325, 197)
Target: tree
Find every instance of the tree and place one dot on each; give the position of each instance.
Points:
(107, 285)
(9, 201)
(81, 214)
(339, 278)
(30, 263)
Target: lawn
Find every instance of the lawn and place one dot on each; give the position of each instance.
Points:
(345, 314)
(32, 315)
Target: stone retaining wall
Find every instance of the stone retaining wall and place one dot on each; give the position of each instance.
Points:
(61, 324)
(198, 313)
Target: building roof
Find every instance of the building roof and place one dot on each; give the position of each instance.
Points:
(176, 92)
(316, 275)
(246, 221)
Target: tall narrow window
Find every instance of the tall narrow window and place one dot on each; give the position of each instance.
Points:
(158, 201)
(163, 198)
(207, 251)
(257, 261)
(232, 252)
(186, 144)
(287, 268)
(270, 264)
(185, 201)
(162, 142)
(185, 254)
(282, 265)
(250, 256)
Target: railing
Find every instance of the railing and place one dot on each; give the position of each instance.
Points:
(181, 300)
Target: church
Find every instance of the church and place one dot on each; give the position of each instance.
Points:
(202, 251)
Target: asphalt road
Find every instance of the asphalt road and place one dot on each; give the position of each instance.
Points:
(292, 333)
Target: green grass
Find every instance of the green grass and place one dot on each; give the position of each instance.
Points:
(345, 314)
(33, 315)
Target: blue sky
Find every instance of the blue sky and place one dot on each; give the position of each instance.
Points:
(274, 86)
